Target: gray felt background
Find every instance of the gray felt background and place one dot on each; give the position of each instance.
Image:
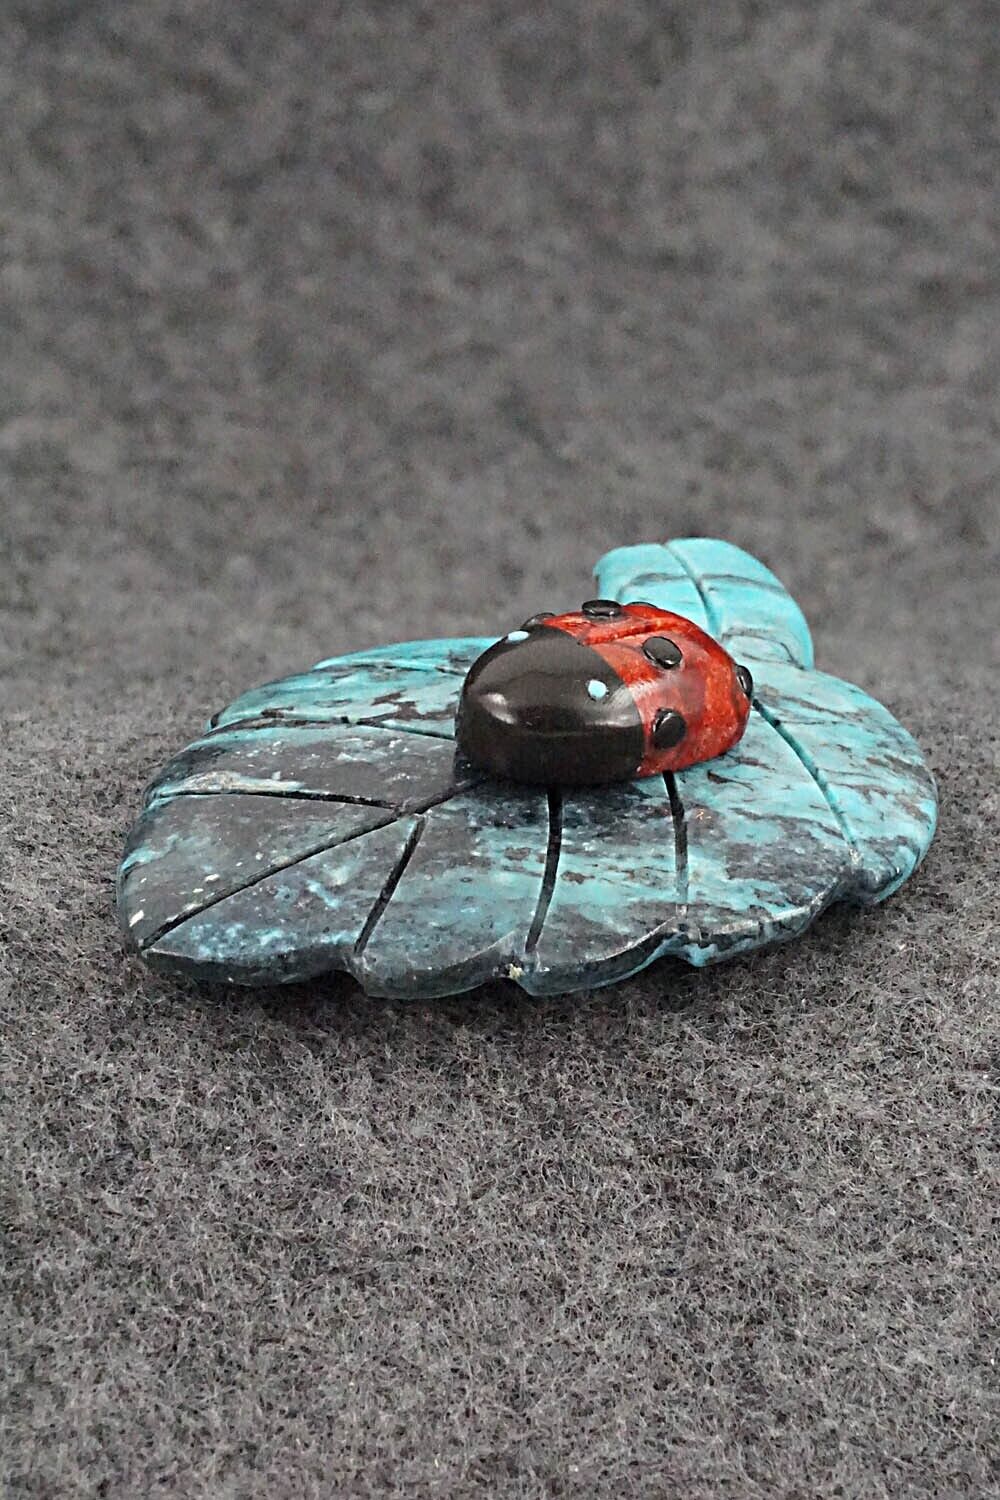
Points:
(331, 324)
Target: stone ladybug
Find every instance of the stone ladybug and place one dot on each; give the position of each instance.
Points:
(609, 693)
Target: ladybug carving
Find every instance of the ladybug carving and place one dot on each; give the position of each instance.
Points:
(610, 693)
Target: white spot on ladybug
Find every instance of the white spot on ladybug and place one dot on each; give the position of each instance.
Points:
(518, 635)
(597, 689)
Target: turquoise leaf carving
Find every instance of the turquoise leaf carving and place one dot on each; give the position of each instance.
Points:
(326, 821)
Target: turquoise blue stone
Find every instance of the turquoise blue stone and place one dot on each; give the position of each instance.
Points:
(327, 821)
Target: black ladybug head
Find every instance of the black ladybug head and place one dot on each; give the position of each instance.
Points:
(541, 707)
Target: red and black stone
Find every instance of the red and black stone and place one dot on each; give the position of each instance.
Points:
(609, 693)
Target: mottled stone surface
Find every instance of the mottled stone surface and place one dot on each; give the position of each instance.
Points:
(327, 821)
(408, 687)
(722, 588)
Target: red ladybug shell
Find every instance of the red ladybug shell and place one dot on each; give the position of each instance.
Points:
(607, 693)
(703, 687)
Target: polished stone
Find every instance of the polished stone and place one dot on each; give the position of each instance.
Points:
(327, 821)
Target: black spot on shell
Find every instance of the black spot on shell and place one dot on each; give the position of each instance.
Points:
(669, 728)
(663, 652)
